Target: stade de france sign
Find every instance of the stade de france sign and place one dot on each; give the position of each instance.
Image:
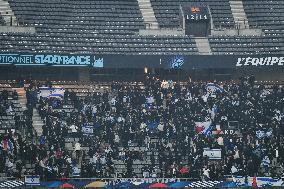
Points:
(46, 59)
(142, 61)
(263, 61)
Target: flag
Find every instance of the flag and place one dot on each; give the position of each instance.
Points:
(32, 180)
(260, 134)
(215, 154)
(11, 145)
(258, 181)
(214, 88)
(204, 128)
(46, 92)
(88, 129)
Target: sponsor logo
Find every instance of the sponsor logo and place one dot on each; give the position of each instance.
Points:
(51, 59)
(176, 62)
(195, 10)
(264, 61)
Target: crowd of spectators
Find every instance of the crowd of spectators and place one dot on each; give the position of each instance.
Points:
(132, 115)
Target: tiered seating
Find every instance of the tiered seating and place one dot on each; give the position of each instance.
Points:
(167, 12)
(2, 21)
(265, 14)
(110, 27)
(101, 27)
(76, 15)
(246, 45)
(97, 43)
(268, 15)
(7, 120)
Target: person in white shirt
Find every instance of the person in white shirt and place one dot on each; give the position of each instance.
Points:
(161, 127)
(165, 84)
(206, 173)
(116, 138)
(220, 141)
(234, 170)
(74, 129)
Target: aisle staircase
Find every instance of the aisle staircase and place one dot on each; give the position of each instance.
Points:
(239, 14)
(37, 122)
(7, 13)
(22, 97)
(148, 14)
(203, 45)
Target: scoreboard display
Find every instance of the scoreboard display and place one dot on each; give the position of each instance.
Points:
(197, 13)
(196, 19)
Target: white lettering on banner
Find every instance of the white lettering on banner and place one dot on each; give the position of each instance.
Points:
(66, 60)
(268, 61)
(16, 59)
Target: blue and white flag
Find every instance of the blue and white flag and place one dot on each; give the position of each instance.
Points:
(76, 172)
(214, 154)
(32, 180)
(214, 88)
(261, 181)
(88, 129)
(46, 92)
(260, 134)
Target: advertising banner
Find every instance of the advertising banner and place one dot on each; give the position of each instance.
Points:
(142, 61)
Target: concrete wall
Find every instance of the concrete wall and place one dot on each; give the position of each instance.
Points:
(235, 32)
(16, 29)
(162, 32)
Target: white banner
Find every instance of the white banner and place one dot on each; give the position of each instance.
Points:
(214, 154)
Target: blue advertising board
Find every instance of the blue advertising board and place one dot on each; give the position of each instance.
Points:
(142, 61)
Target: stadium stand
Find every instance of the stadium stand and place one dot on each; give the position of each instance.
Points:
(135, 136)
(265, 14)
(98, 26)
(106, 27)
(148, 129)
(167, 12)
(240, 45)
(261, 14)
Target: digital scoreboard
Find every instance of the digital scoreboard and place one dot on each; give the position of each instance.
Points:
(197, 13)
(196, 19)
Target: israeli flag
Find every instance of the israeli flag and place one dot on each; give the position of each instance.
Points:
(76, 172)
(214, 154)
(46, 92)
(88, 129)
(260, 134)
(214, 88)
(32, 180)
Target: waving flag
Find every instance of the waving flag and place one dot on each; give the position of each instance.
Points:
(46, 92)
(203, 128)
(214, 88)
